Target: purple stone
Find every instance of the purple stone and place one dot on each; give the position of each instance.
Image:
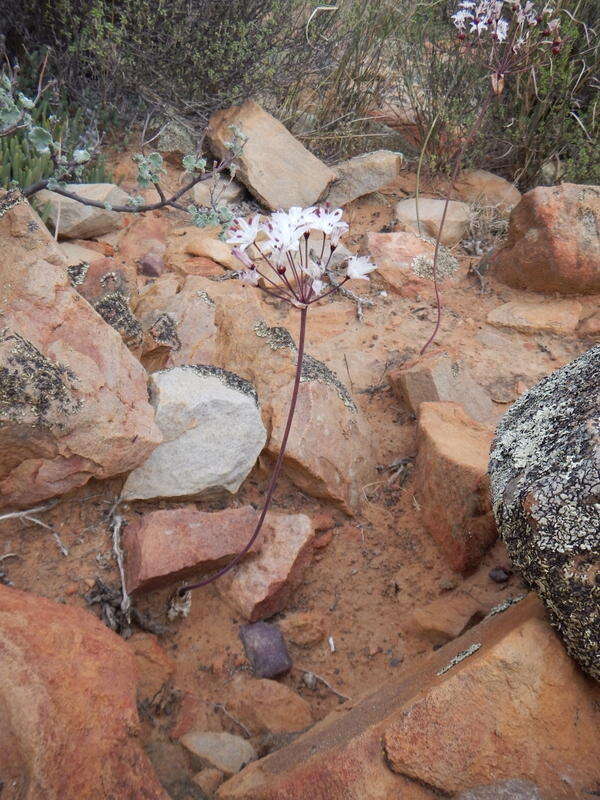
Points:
(265, 649)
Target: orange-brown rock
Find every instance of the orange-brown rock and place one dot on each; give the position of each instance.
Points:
(143, 243)
(553, 242)
(447, 617)
(68, 716)
(76, 402)
(154, 666)
(485, 188)
(328, 453)
(437, 377)
(553, 316)
(266, 706)
(303, 628)
(273, 164)
(452, 485)
(261, 585)
(480, 710)
(167, 545)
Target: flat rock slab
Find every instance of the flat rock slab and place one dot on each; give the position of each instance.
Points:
(277, 169)
(224, 751)
(545, 478)
(265, 649)
(362, 175)
(430, 211)
(452, 484)
(267, 706)
(213, 434)
(405, 262)
(475, 712)
(555, 316)
(440, 379)
(262, 585)
(168, 545)
(78, 221)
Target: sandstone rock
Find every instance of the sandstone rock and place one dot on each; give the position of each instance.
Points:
(77, 255)
(68, 716)
(431, 209)
(266, 706)
(506, 790)
(190, 241)
(447, 617)
(452, 485)
(478, 711)
(328, 452)
(438, 378)
(110, 287)
(74, 399)
(213, 434)
(303, 628)
(554, 316)
(405, 262)
(485, 188)
(143, 244)
(265, 649)
(223, 751)
(362, 175)
(182, 325)
(209, 780)
(278, 170)
(590, 326)
(167, 545)
(545, 474)
(175, 142)
(553, 242)
(77, 221)
(155, 667)
(222, 191)
(261, 585)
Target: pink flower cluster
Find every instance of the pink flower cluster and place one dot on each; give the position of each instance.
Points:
(277, 250)
(505, 20)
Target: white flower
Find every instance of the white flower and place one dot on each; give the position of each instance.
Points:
(242, 232)
(317, 286)
(284, 230)
(358, 267)
(461, 18)
(330, 223)
(502, 30)
(313, 269)
(250, 276)
(242, 256)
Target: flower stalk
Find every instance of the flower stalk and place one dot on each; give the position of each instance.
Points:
(278, 260)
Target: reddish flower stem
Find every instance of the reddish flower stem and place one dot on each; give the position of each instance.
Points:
(276, 468)
(457, 166)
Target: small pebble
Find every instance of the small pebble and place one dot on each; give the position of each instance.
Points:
(499, 574)
(266, 649)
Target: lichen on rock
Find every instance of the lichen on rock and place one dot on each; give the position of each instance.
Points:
(32, 387)
(545, 482)
(279, 338)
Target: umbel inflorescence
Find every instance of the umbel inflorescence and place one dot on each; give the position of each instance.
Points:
(281, 257)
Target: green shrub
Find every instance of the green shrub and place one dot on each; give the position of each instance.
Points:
(20, 161)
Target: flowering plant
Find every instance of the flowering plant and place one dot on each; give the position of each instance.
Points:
(277, 258)
(508, 37)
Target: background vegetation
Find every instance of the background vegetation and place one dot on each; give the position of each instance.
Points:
(136, 60)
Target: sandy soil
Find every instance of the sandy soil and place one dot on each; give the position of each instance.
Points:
(377, 566)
